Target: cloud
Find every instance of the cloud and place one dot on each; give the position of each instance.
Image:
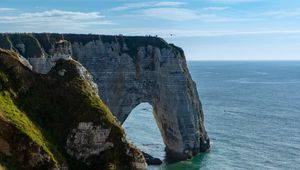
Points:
(54, 15)
(175, 11)
(233, 1)
(242, 33)
(174, 14)
(283, 13)
(217, 8)
(184, 14)
(139, 5)
(58, 19)
(168, 3)
(6, 9)
(199, 33)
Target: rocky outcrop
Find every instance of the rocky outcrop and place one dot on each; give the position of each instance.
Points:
(131, 70)
(88, 140)
(151, 160)
(61, 50)
(18, 151)
(58, 121)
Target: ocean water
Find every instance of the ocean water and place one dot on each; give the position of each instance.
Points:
(252, 116)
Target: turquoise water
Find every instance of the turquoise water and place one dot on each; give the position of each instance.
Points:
(252, 115)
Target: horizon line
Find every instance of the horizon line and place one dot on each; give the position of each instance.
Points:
(225, 60)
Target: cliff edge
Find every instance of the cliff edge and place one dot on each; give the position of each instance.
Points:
(129, 70)
(57, 120)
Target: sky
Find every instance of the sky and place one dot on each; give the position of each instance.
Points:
(205, 29)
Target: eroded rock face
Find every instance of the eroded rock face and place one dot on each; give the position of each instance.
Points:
(59, 50)
(87, 140)
(25, 152)
(58, 121)
(156, 75)
(4, 147)
(131, 70)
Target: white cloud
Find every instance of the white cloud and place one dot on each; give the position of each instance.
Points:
(197, 33)
(283, 13)
(233, 1)
(62, 15)
(216, 8)
(183, 14)
(175, 14)
(58, 19)
(168, 3)
(175, 11)
(6, 9)
(139, 5)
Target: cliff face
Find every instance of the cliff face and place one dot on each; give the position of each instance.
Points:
(128, 71)
(57, 120)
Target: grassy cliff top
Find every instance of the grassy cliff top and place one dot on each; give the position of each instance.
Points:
(39, 44)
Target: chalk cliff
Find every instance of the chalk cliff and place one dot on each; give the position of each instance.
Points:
(128, 71)
(57, 120)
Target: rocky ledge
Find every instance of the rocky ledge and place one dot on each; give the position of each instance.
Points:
(57, 120)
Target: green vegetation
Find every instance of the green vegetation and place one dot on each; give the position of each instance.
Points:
(39, 44)
(4, 42)
(7, 163)
(45, 108)
(12, 114)
(47, 40)
(32, 45)
(21, 121)
(177, 50)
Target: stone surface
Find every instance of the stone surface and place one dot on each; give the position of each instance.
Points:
(4, 147)
(157, 76)
(24, 151)
(87, 140)
(61, 50)
(131, 70)
(151, 160)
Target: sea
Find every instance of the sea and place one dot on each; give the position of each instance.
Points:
(252, 116)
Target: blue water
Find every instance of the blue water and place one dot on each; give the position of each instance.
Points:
(252, 115)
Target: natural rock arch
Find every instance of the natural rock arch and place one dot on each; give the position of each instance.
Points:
(128, 71)
(155, 75)
(141, 129)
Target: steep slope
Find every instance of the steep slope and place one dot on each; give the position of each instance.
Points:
(58, 120)
(129, 70)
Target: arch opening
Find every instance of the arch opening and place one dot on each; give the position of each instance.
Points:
(141, 130)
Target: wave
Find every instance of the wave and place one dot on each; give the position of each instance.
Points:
(247, 81)
(260, 73)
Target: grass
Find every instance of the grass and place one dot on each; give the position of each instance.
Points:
(13, 115)
(132, 42)
(47, 107)
(6, 163)
(4, 42)
(32, 46)
(38, 44)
